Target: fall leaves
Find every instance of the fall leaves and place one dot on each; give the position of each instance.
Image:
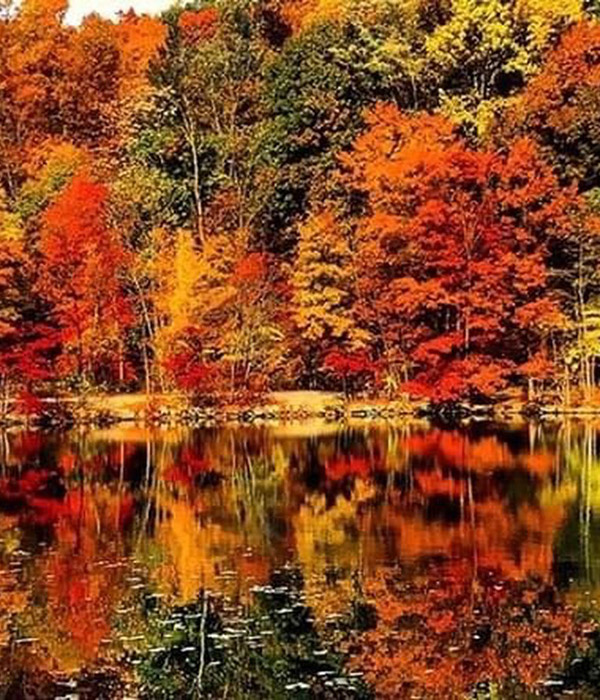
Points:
(449, 541)
(360, 197)
(82, 269)
(456, 243)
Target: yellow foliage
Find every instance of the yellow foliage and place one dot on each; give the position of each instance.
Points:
(11, 229)
(545, 18)
(323, 283)
(185, 277)
(484, 40)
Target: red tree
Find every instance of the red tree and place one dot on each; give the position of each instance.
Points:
(26, 345)
(349, 367)
(452, 253)
(82, 262)
(198, 26)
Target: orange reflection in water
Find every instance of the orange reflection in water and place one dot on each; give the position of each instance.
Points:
(431, 526)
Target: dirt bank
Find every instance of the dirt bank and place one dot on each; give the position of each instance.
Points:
(173, 409)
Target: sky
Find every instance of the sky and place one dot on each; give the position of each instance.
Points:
(109, 8)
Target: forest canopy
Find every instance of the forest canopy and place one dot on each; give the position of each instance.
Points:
(399, 197)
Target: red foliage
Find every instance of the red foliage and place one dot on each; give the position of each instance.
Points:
(252, 269)
(187, 467)
(454, 249)
(28, 403)
(26, 346)
(348, 364)
(82, 262)
(187, 367)
(198, 26)
(25, 353)
(340, 468)
(559, 100)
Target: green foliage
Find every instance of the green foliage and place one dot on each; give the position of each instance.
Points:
(59, 162)
(204, 114)
(315, 93)
(270, 650)
(145, 198)
(592, 7)
(486, 50)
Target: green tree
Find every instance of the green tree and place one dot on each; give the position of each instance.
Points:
(203, 122)
(487, 49)
(315, 93)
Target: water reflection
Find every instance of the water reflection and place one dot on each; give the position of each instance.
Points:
(436, 561)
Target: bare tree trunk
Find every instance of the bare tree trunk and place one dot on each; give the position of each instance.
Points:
(148, 378)
(121, 364)
(567, 388)
(584, 371)
(198, 194)
(191, 138)
(5, 405)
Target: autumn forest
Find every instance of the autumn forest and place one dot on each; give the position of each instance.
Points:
(385, 197)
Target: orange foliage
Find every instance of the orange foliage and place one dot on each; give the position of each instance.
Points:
(572, 70)
(198, 26)
(82, 261)
(441, 633)
(454, 248)
(138, 39)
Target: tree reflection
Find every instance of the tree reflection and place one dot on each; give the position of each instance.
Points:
(472, 546)
(442, 631)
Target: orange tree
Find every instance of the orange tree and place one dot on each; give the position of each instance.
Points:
(82, 264)
(452, 253)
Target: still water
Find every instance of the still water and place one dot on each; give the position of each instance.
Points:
(301, 561)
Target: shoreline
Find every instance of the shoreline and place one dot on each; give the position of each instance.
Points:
(173, 409)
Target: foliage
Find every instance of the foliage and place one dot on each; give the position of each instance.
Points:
(455, 255)
(324, 290)
(80, 275)
(315, 96)
(243, 196)
(270, 654)
(560, 105)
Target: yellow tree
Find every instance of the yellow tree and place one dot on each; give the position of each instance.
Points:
(487, 48)
(324, 289)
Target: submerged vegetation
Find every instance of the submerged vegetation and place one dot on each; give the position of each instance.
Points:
(269, 650)
(385, 197)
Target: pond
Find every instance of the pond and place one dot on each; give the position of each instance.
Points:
(302, 560)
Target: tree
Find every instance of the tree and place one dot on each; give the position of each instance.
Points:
(560, 106)
(592, 7)
(352, 368)
(26, 342)
(315, 95)
(253, 343)
(81, 275)
(139, 40)
(576, 276)
(50, 168)
(189, 285)
(324, 291)
(88, 93)
(30, 76)
(221, 324)
(453, 252)
(485, 51)
(206, 108)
